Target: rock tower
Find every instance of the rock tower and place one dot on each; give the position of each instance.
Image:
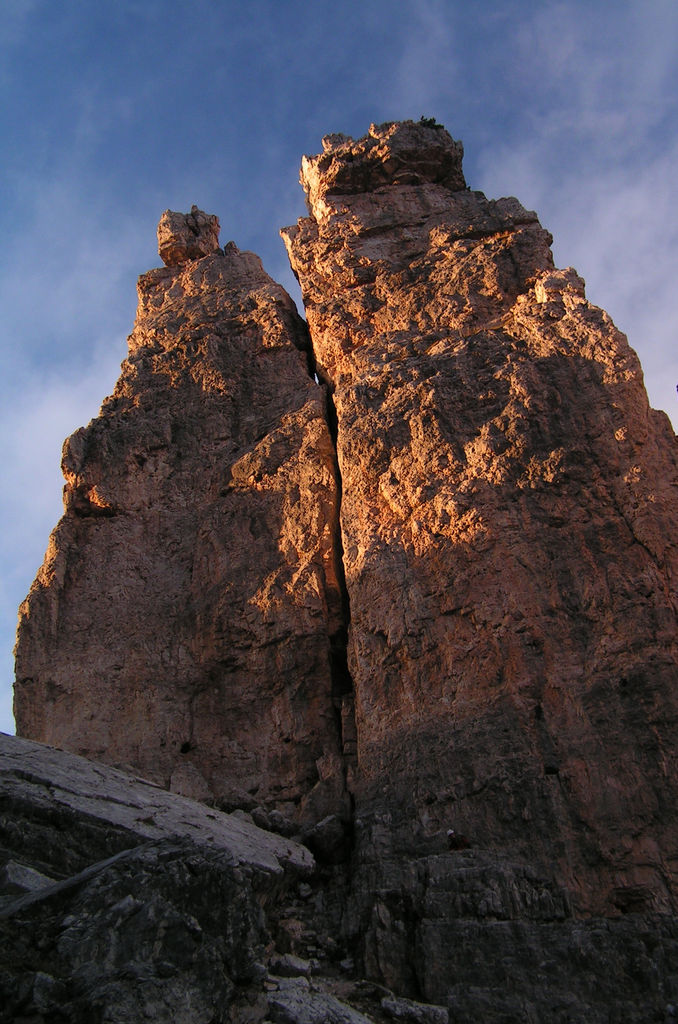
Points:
(184, 619)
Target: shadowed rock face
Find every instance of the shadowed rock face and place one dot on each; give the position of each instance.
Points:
(509, 531)
(183, 619)
(121, 902)
(146, 905)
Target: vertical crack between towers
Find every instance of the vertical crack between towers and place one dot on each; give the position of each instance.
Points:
(341, 678)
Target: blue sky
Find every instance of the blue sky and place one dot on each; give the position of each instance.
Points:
(111, 113)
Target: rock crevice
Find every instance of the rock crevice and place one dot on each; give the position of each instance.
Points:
(504, 482)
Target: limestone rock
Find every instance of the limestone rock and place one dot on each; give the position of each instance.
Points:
(187, 236)
(17, 878)
(61, 785)
(155, 907)
(414, 1013)
(146, 905)
(395, 153)
(290, 966)
(295, 1005)
(185, 619)
(509, 528)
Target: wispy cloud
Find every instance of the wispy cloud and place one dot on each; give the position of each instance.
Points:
(598, 165)
(574, 112)
(427, 72)
(15, 18)
(67, 290)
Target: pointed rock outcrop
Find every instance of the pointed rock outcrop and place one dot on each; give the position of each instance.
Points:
(510, 533)
(187, 236)
(183, 620)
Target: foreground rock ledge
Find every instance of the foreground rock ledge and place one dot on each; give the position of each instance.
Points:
(137, 903)
(122, 902)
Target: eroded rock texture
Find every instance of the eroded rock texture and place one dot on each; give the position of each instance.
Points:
(509, 526)
(187, 236)
(184, 619)
(120, 902)
(142, 905)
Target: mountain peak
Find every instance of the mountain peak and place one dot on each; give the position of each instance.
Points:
(393, 153)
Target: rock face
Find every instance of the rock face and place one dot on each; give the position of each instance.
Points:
(508, 525)
(509, 534)
(468, 532)
(185, 618)
(141, 904)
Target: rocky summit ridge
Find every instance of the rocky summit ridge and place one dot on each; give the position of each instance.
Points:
(406, 567)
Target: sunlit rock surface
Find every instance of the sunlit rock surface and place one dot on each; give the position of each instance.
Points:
(187, 236)
(183, 622)
(509, 526)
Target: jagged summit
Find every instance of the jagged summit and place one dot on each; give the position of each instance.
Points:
(394, 153)
(435, 591)
(507, 498)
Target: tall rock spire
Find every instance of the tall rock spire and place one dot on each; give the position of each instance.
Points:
(509, 525)
(182, 622)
